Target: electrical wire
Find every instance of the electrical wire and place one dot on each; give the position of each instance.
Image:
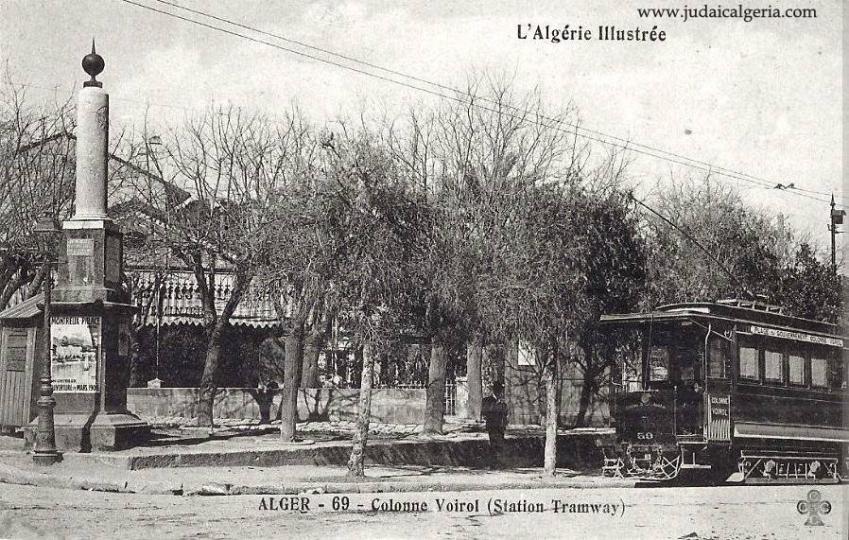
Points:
(556, 124)
(698, 244)
(623, 143)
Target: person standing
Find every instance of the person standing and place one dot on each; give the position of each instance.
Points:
(494, 411)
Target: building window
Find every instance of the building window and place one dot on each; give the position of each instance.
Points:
(819, 372)
(773, 366)
(749, 368)
(527, 355)
(797, 369)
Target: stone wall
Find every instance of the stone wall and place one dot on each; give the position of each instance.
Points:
(524, 393)
(388, 405)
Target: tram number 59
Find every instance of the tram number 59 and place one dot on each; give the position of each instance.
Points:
(645, 436)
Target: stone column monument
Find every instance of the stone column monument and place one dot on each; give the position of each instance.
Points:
(91, 313)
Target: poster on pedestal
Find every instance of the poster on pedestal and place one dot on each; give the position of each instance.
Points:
(74, 353)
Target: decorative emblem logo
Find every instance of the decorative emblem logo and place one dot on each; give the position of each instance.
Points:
(813, 506)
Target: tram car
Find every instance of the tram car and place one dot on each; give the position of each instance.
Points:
(735, 389)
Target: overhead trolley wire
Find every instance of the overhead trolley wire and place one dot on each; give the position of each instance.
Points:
(597, 136)
(698, 244)
(441, 86)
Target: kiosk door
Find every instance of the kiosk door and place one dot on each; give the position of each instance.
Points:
(17, 348)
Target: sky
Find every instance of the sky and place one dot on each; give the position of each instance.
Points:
(761, 98)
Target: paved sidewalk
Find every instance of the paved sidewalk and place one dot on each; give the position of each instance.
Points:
(292, 479)
(261, 446)
(253, 460)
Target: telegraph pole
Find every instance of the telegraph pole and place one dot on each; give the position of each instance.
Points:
(836, 219)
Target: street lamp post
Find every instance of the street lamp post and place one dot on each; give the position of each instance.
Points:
(44, 449)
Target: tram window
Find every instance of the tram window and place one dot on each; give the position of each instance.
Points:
(659, 364)
(631, 377)
(686, 367)
(773, 366)
(718, 353)
(749, 368)
(631, 362)
(838, 373)
(797, 369)
(819, 372)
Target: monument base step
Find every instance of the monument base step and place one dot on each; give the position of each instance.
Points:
(117, 431)
(86, 433)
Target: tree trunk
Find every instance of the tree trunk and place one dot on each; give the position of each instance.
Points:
(357, 368)
(551, 410)
(473, 379)
(435, 394)
(137, 359)
(358, 448)
(136, 367)
(588, 387)
(312, 348)
(207, 381)
(217, 324)
(492, 366)
(291, 382)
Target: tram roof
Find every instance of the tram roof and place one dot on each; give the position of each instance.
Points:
(728, 311)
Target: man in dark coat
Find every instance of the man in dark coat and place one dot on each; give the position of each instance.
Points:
(494, 411)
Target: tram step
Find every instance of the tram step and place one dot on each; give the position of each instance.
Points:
(751, 480)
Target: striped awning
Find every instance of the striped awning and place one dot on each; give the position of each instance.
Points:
(176, 299)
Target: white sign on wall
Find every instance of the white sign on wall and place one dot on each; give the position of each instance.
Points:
(527, 355)
(74, 353)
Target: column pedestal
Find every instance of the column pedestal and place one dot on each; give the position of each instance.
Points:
(90, 343)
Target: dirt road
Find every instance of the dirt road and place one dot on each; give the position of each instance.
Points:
(741, 512)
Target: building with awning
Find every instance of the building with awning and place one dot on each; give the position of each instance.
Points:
(169, 325)
(172, 297)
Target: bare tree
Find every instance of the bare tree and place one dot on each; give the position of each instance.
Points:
(615, 274)
(707, 243)
(36, 178)
(473, 159)
(300, 269)
(223, 174)
(380, 220)
(721, 247)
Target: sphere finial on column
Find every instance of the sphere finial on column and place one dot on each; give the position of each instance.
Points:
(93, 64)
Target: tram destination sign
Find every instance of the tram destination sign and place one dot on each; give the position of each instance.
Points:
(797, 336)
